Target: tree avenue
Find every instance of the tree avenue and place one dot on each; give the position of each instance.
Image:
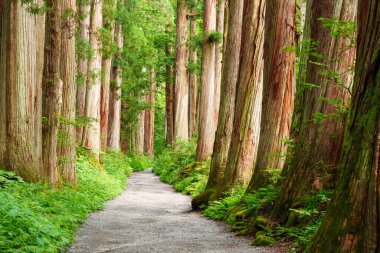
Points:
(266, 112)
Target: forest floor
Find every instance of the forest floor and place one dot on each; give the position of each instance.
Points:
(151, 217)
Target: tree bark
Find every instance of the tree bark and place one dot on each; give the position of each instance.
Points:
(109, 24)
(248, 98)
(91, 135)
(181, 86)
(23, 85)
(278, 91)
(320, 142)
(206, 126)
(351, 223)
(52, 92)
(230, 71)
(169, 92)
(114, 123)
(68, 75)
(3, 71)
(220, 11)
(193, 80)
(149, 116)
(139, 135)
(84, 27)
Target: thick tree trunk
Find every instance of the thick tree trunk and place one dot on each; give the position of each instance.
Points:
(3, 70)
(193, 80)
(91, 135)
(206, 126)
(248, 98)
(169, 92)
(23, 85)
(114, 123)
(139, 135)
(351, 223)
(52, 92)
(278, 91)
(109, 24)
(68, 75)
(181, 86)
(149, 116)
(320, 142)
(84, 26)
(220, 11)
(230, 73)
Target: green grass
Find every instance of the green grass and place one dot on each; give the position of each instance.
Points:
(41, 218)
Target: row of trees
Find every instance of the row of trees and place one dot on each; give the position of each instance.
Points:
(312, 119)
(63, 83)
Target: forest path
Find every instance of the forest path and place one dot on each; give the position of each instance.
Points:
(151, 217)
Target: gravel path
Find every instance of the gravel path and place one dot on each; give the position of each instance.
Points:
(151, 217)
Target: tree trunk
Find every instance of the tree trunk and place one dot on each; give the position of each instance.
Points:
(52, 92)
(91, 135)
(109, 24)
(320, 141)
(115, 97)
(351, 223)
(248, 98)
(220, 11)
(23, 86)
(84, 27)
(68, 75)
(230, 73)
(139, 135)
(278, 91)
(169, 92)
(149, 116)
(3, 70)
(193, 80)
(206, 126)
(181, 86)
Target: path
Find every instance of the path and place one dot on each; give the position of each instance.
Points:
(150, 217)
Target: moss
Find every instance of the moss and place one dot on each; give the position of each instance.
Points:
(263, 240)
(261, 221)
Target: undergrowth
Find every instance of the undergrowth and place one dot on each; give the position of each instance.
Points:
(175, 165)
(41, 218)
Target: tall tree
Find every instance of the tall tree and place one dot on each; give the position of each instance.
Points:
(206, 126)
(320, 139)
(22, 58)
(68, 66)
(193, 77)
(169, 94)
(149, 116)
(220, 12)
(278, 88)
(52, 91)
(181, 86)
(109, 8)
(139, 135)
(2, 86)
(114, 122)
(91, 135)
(83, 59)
(351, 223)
(241, 154)
(230, 72)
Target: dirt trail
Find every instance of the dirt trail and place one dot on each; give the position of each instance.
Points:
(151, 217)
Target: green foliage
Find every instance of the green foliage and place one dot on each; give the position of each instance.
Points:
(175, 165)
(214, 37)
(41, 218)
